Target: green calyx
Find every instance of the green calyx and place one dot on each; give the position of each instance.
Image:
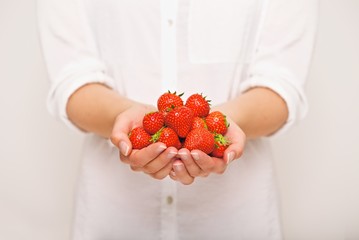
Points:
(156, 136)
(208, 101)
(175, 93)
(220, 140)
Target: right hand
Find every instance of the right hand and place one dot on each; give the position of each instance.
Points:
(195, 163)
(154, 160)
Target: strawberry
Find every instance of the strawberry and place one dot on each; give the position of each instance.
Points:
(201, 139)
(153, 121)
(167, 136)
(169, 100)
(139, 138)
(180, 119)
(221, 144)
(199, 123)
(198, 104)
(217, 123)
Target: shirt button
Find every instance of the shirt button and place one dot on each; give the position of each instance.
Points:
(170, 22)
(169, 200)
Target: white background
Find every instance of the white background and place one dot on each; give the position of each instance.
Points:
(317, 162)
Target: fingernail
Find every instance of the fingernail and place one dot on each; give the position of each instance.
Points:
(171, 155)
(161, 148)
(230, 157)
(124, 148)
(184, 156)
(178, 167)
(195, 156)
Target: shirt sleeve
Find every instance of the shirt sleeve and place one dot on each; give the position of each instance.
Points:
(283, 52)
(70, 53)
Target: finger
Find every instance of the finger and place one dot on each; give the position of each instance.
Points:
(181, 173)
(136, 169)
(192, 168)
(119, 136)
(122, 142)
(125, 159)
(173, 175)
(161, 161)
(164, 172)
(204, 161)
(238, 139)
(208, 164)
(234, 150)
(139, 158)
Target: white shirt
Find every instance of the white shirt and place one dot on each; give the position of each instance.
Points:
(142, 48)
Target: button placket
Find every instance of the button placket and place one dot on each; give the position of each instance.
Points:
(168, 209)
(169, 82)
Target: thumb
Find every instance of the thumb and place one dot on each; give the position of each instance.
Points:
(119, 138)
(122, 142)
(235, 149)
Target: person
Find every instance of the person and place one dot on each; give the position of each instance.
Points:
(108, 62)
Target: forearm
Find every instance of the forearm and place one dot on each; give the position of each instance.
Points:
(94, 108)
(259, 112)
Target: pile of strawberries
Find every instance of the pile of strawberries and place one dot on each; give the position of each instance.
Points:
(190, 125)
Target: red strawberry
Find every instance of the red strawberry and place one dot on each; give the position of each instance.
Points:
(201, 139)
(153, 121)
(199, 123)
(221, 144)
(180, 119)
(217, 123)
(198, 104)
(169, 101)
(139, 138)
(167, 136)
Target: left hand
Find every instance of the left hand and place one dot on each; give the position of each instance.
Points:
(155, 159)
(196, 163)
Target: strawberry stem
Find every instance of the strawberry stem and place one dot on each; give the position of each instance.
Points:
(221, 140)
(156, 136)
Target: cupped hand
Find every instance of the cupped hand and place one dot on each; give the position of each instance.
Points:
(198, 164)
(154, 160)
